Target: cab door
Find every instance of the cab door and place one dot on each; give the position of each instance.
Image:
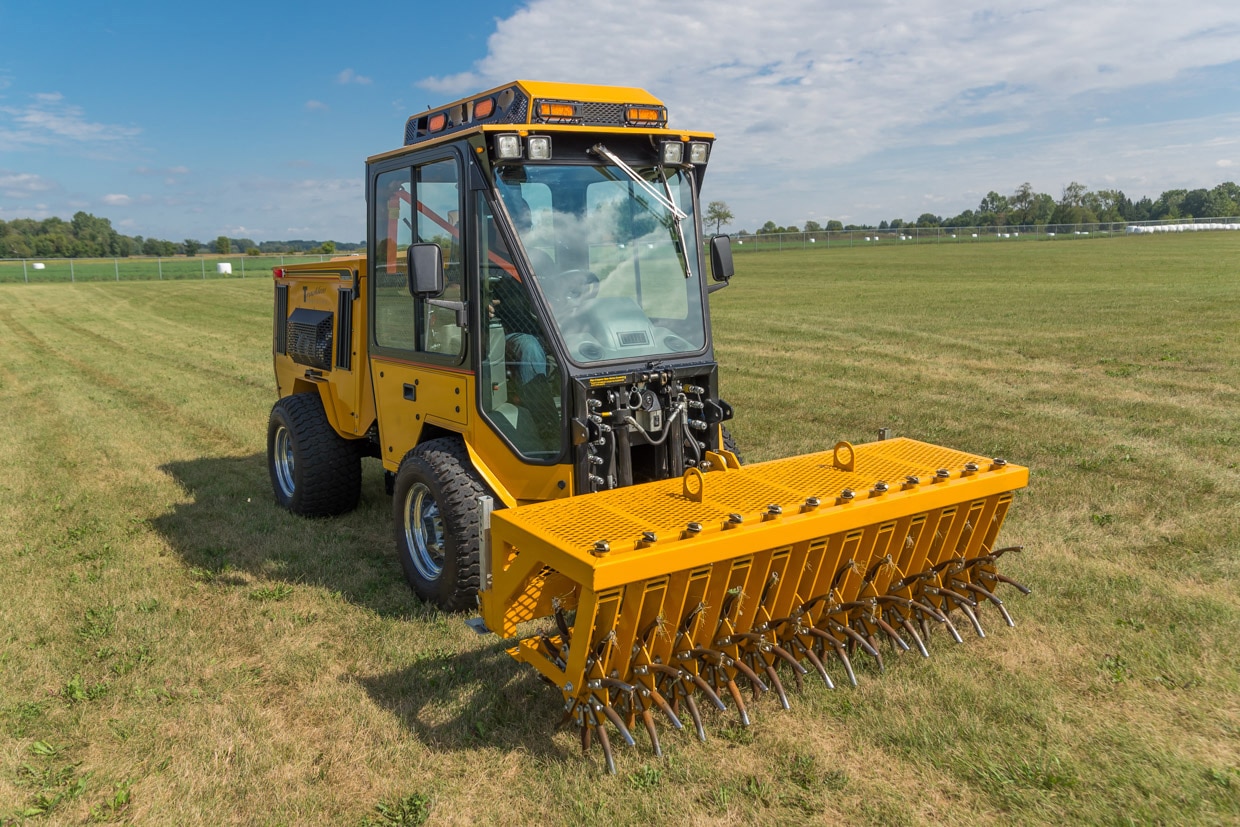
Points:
(419, 356)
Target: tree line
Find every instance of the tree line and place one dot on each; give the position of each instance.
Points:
(1025, 207)
(89, 236)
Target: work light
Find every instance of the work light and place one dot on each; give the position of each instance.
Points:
(699, 152)
(538, 147)
(507, 146)
(671, 152)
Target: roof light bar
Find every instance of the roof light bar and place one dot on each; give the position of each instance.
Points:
(557, 112)
(645, 115)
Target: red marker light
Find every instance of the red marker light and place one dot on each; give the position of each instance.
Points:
(278, 271)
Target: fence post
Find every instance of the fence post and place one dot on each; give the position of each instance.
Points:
(72, 278)
(203, 261)
(117, 267)
(25, 275)
(243, 267)
(159, 262)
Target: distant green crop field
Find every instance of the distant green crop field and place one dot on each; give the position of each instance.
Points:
(174, 648)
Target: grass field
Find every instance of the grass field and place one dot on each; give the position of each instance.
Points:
(174, 649)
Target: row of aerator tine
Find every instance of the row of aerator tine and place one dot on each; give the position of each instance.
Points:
(818, 629)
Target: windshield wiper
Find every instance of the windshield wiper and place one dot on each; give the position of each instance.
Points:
(665, 199)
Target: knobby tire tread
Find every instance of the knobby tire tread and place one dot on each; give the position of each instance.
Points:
(447, 462)
(327, 467)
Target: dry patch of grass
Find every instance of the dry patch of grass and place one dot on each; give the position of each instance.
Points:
(176, 649)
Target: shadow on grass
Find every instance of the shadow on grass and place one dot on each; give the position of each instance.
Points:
(229, 530)
(471, 700)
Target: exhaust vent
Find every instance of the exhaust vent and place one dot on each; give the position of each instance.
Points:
(310, 338)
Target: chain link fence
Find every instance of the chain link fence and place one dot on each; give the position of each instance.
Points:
(142, 268)
(965, 235)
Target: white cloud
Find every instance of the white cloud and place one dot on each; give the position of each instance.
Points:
(116, 199)
(349, 76)
(1224, 162)
(798, 90)
(316, 106)
(23, 184)
(49, 121)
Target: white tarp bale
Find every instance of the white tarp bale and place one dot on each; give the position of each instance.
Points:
(223, 268)
(38, 265)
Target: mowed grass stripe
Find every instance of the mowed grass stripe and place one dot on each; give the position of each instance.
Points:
(169, 397)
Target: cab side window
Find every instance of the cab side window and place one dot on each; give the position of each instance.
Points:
(415, 205)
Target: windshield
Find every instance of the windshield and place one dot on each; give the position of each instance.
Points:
(608, 256)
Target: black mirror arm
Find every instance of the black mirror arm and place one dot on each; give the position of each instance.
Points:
(718, 285)
(461, 308)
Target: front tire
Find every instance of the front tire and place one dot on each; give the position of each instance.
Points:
(315, 472)
(435, 516)
(729, 444)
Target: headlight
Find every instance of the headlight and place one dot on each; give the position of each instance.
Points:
(699, 152)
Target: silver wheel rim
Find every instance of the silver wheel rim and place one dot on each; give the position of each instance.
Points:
(424, 534)
(282, 459)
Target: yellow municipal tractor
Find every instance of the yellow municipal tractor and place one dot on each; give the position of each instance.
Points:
(526, 348)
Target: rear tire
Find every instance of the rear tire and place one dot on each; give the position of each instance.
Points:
(435, 516)
(315, 472)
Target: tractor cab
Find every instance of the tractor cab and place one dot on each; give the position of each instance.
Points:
(569, 278)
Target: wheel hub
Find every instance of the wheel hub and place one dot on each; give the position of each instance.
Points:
(283, 461)
(424, 532)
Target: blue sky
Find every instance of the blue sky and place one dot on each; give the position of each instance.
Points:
(254, 119)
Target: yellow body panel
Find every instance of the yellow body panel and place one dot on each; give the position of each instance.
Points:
(347, 396)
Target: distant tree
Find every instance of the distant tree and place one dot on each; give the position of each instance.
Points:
(1043, 207)
(992, 210)
(191, 246)
(928, 219)
(327, 248)
(769, 227)
(1224, 201)
(882, 225)
(253, 251)
(1073, 195)
(718, 212)
(1195, 203)
(223, 246)
(812, 226)
(1021, 203)
(1072, 207)
(896, 223)
(835, 225)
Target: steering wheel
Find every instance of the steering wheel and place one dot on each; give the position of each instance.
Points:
(574, 287)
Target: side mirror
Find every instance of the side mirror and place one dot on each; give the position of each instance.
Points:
(721, 268)
(425, 262)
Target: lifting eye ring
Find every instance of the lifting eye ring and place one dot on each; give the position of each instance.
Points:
(694, 484)
(844, 456)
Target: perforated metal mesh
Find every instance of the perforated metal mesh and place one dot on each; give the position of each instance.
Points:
(620, 516)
